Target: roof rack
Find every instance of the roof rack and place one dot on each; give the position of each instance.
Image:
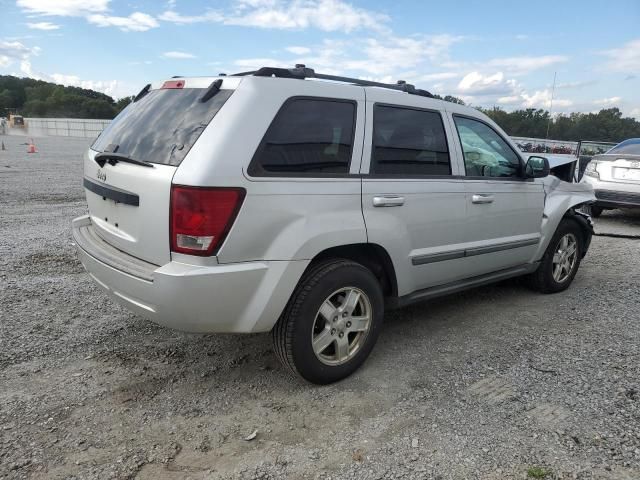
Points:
(301, 72)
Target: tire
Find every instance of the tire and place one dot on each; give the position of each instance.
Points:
(595, 212)
(543, 279)
(328, 285)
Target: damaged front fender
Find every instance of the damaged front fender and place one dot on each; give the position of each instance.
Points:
(563, 199)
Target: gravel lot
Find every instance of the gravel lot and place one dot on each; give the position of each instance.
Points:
(494, 383)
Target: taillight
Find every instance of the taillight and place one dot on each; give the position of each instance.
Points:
(172, 84)
(201, 217)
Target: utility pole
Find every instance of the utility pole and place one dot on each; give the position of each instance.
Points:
(553, 91)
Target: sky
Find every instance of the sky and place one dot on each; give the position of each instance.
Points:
(487, 52)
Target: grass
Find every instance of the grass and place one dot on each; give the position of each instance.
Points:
(537, 472)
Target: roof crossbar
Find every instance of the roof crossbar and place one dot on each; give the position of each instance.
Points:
(301, 72)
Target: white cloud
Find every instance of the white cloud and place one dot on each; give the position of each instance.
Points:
(11, 52)
(475, 83)
(608, 102)
(136, 22)
(327, 15)
(110, 87)
(43, 26)
(509, 100)
(635, 113)
(625, 58)
(298, 50)
(542, 99)
(524, 65)
(175, 17)
(386, 58)
(178, 55)
(65, 8)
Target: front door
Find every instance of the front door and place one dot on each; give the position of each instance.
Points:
(504, 211)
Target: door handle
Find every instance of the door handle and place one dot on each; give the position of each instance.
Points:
(388, 201)
(481, 198)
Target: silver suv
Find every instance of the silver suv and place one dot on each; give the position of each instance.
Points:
(303, 204)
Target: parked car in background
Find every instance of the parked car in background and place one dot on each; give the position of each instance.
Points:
(275, 201)
(615, 177)
(586, 150)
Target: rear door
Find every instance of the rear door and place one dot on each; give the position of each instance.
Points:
(413, 204)
(504, 211)
(129, 202)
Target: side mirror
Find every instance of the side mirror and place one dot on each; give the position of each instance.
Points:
(536, 167)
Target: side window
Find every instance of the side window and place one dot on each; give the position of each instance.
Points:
(307, 137)
(409, 142)
(486, 154)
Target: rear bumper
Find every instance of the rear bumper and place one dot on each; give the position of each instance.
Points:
(613, 199)
(614, 194)
(232, 298)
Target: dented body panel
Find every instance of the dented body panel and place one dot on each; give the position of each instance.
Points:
(561, 198)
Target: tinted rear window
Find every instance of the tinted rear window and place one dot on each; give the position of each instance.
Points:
(162, 126)
(409, 142)
(628, 147)
(307, 137)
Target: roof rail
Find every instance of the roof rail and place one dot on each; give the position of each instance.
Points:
(301, 72)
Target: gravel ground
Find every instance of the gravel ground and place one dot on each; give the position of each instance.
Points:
(494, 383)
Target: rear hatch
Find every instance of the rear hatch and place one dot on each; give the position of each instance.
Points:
(129, 168)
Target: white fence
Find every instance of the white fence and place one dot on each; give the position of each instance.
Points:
(65, 127)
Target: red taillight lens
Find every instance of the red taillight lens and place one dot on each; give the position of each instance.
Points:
(200, 218)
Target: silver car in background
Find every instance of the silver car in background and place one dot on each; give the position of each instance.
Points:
(615, 177)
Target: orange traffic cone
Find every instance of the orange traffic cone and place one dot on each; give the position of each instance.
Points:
(31, 148)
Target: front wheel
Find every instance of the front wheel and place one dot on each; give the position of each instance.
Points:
(561, 261)
(331, 323)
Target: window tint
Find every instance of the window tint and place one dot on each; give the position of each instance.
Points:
(409, 142)
(486, 154)
(307, 137)
(628, 147)
(162, 126)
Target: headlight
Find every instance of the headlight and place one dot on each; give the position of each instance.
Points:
(591, 170)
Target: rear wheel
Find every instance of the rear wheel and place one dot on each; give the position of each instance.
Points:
(561, 261)
(331, 323)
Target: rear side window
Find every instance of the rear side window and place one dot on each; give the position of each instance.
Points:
(409, 142)
(162, 126)
(307, 137)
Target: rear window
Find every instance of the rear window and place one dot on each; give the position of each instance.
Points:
(409, 142)
(162, 126)
(308, 137)
(628, 147)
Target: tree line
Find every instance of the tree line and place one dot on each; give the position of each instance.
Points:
(37, 98)
(607, 125)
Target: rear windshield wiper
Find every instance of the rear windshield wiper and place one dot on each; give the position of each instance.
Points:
(211, 91)
(113, 158)
(142, 92)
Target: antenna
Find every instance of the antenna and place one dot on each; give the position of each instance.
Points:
(553, 91)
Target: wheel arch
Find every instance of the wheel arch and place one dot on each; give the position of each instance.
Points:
(372, 256)
(561, 204)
